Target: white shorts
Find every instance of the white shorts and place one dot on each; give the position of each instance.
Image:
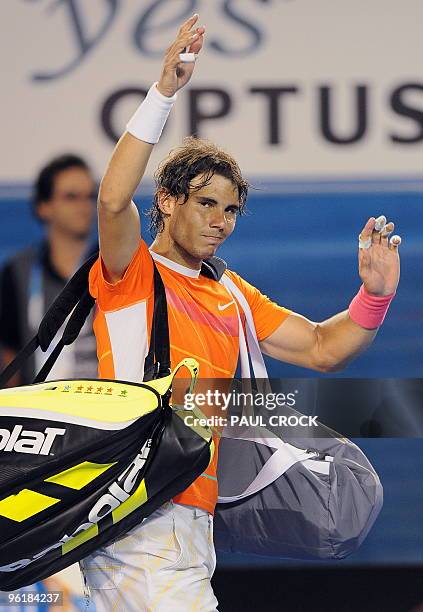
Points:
(164, 564)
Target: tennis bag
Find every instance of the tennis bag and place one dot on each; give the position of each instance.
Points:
(296, 492)
(84, 461)
(299, 497)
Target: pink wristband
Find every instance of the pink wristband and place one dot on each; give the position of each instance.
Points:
(367, 310)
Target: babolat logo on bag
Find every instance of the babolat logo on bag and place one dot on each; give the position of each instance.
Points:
(22, 440)
(124, 454)
(117, 493)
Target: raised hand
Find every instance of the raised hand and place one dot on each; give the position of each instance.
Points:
(175, 74)
(378, 257)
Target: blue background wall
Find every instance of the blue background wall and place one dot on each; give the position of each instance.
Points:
(300, 249)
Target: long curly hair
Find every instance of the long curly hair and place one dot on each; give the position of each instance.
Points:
(194, 157)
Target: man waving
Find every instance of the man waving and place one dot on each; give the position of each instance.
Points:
(167, 562)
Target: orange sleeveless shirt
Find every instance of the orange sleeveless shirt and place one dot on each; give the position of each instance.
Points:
(203, 324)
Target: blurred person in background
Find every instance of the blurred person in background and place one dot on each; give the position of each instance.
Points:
(63, 201)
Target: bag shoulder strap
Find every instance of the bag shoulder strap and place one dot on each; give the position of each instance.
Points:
(259, 367)
(214, 268)
(76, 299)
(74, 293)
(157, 362)
(285, 456)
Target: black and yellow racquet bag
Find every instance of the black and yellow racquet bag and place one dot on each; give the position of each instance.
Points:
(84, 461)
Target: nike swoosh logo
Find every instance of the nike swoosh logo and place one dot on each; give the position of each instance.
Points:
(220, 307)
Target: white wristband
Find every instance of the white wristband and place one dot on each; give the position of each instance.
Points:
(149, 119)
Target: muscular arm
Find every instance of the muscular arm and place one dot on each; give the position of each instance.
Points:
(118, 218)
(331, 345)
(327, 347)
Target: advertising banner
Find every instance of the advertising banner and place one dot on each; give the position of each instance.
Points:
(293, 88)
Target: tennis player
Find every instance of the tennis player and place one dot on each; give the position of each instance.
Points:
(167, 562)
